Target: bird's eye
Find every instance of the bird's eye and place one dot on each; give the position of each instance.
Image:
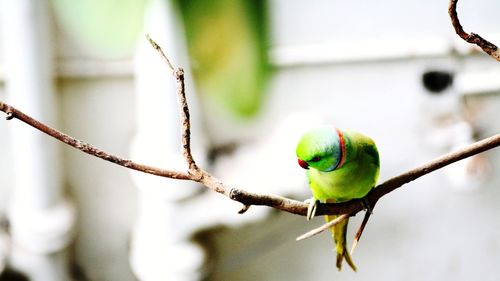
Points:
(315, 159)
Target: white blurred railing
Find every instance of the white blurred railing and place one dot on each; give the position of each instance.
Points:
(41, 216)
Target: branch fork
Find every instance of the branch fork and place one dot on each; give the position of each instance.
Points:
(197, 174)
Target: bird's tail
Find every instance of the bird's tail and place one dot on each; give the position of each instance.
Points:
(339, 236)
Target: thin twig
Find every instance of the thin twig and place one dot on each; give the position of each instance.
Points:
(87, 148)
(160, 51)
(185, 123)
(488, 47)
(183, 110)
(323, 227)
(361, 228)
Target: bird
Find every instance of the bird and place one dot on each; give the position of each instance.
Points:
(341, 165)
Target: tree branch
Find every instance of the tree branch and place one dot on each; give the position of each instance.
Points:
(183, 108)
(488, 47)
(87, 148)
(197, 174)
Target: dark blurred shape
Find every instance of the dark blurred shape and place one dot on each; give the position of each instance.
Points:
(221, 150)
(10, 274)
(436, 81)
(227, 44)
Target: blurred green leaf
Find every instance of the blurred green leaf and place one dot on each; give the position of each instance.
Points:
(108, 28)
(227, 43)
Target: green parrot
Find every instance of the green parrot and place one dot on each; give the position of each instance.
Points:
(341, 165)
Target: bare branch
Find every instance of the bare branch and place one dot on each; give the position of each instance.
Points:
(323, 227)
(183, 111)
(356, 205)
(488, 47)
(246, 198)
(431, 166)
(185, 123)
(87, 148)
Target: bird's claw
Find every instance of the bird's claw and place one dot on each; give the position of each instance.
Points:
(311, 208)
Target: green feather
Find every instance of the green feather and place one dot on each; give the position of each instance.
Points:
(354, 178)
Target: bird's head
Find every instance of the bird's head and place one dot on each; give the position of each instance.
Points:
(321, 149)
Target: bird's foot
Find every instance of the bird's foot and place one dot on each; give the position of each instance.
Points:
(311, 208)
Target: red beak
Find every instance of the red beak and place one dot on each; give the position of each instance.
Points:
(303, 164)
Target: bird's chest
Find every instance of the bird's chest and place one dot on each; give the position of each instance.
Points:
(339, 185)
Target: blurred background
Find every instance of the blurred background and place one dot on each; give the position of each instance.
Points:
(259, 73)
